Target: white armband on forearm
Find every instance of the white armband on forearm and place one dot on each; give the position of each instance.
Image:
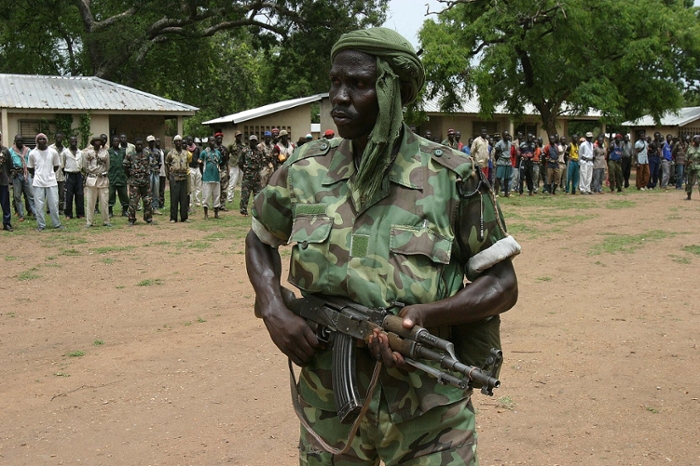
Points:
(497, 252)
(265, 236)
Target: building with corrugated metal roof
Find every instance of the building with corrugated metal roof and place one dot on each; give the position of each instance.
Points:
(30, 104)
(683, 122)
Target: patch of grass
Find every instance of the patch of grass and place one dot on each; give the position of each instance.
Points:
(61, 374)
(108, 249)
(150, 282)
(199, 245)
(544, 279)
(680, 259)
(693, 249)
(219, 235)
(75, 354)
(627, 244)
(10, 258)
(70, 252)
(188, 323)
(11, 314)
(108, 261)
(157, 243)
(619, 204)
(98, 343)
(52, 264)
(506, 402)
(120, 287)
(652, 409)
(51, 258)
(200, 320)
(28, 275)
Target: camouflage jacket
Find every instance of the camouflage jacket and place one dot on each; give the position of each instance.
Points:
(417, 253)
(253, 161)
(236, 153)
(692, 157)
(137, 166)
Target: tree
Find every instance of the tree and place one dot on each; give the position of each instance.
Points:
(625, 58)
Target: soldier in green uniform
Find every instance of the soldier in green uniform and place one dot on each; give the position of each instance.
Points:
(692, 160)
(137, 166)
(381, 215)
(117, 177)
(224, 173)
(251, 162)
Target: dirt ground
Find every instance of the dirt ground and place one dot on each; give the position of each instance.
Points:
(138, 346)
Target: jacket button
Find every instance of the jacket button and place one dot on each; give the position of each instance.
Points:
(304, 244)
(438, 152)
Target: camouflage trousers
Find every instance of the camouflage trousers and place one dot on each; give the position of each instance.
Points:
(250, 185)
(225, 177)
(443, 436)
(691, 181)
(136, 193)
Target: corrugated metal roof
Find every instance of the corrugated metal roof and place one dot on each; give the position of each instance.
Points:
(470, 105)
(80, 93)
(268, 109)
(682, 117)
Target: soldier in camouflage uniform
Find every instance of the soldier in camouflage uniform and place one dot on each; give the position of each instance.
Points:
(692, 161)
(379, 216)
(251, 162)
(137, 166)
(267, 147)
(224, 174)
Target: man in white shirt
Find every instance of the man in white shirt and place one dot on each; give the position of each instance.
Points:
(585, 160)
(43, 163)
(480, 151)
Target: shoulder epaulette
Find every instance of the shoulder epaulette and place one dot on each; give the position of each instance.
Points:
(452, 159)
(316, 148)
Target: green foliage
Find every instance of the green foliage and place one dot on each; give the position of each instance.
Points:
(626, 58)
(84, 129)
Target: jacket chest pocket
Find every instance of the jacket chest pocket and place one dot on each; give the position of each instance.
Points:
(309, 268)
(418, 256)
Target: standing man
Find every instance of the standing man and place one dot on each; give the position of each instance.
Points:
(666, 161)
(679, 151)
(252, 162)
(176, 170)
(693, 166)
(286, 148)
(5, 177)
(551, 157)
(573, 169)
(586, 163)
(21, 179)
(60, 176)
(627, 155)
(642, 162)
(195, 174)
(458, 140)
(480, 151)
(117, 177)
(450, 141)
(97, 163)
(43, 164)
(210, 164)
(527, 154)
(154, 160)
(162, 176)
(219, 137)
(654, 156)
(270, 161)
(72, 160)
(600, 153)
(615, 164)
(504, 168)
(339, 204)
(137, 166)
(235, 173)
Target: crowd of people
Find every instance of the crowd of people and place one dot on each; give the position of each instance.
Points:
(581, 165)
(67, 183)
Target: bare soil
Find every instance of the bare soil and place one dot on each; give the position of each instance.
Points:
(138, 346)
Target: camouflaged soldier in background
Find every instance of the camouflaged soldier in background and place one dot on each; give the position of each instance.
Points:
(251, 163)
(137, 166)
(224, 174)
(431, 236)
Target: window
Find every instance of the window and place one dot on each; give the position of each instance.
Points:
(491, 127)
(28, 129)
(525, 129)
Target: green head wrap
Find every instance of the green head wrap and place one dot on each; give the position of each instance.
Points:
(397, 63)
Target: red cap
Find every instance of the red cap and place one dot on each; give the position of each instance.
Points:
(216, 135)
(450, 131)
(329, 132)
(275, 131)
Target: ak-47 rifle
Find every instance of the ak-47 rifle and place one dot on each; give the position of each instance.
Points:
(340, 322)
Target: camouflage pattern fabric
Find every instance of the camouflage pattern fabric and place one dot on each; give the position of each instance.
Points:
(407, 443)
(137, 165)
(136, 193)
(225, 176)
(417, 253)
(692, 158)
(252, 161)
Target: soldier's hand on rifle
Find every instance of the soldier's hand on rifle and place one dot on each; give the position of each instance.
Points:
(290, 333)
(378, 344)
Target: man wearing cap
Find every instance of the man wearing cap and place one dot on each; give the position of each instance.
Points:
(42, 164)
(285, 147)
(154, 176)
(585, 155)
(252, 162)
(450, 141)
(235, 173)
(137, 166)
(269, 162)
(210, 164)
(328, 134)
(177, 171)
(223, 195)
(376, 216)
(96, 160)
